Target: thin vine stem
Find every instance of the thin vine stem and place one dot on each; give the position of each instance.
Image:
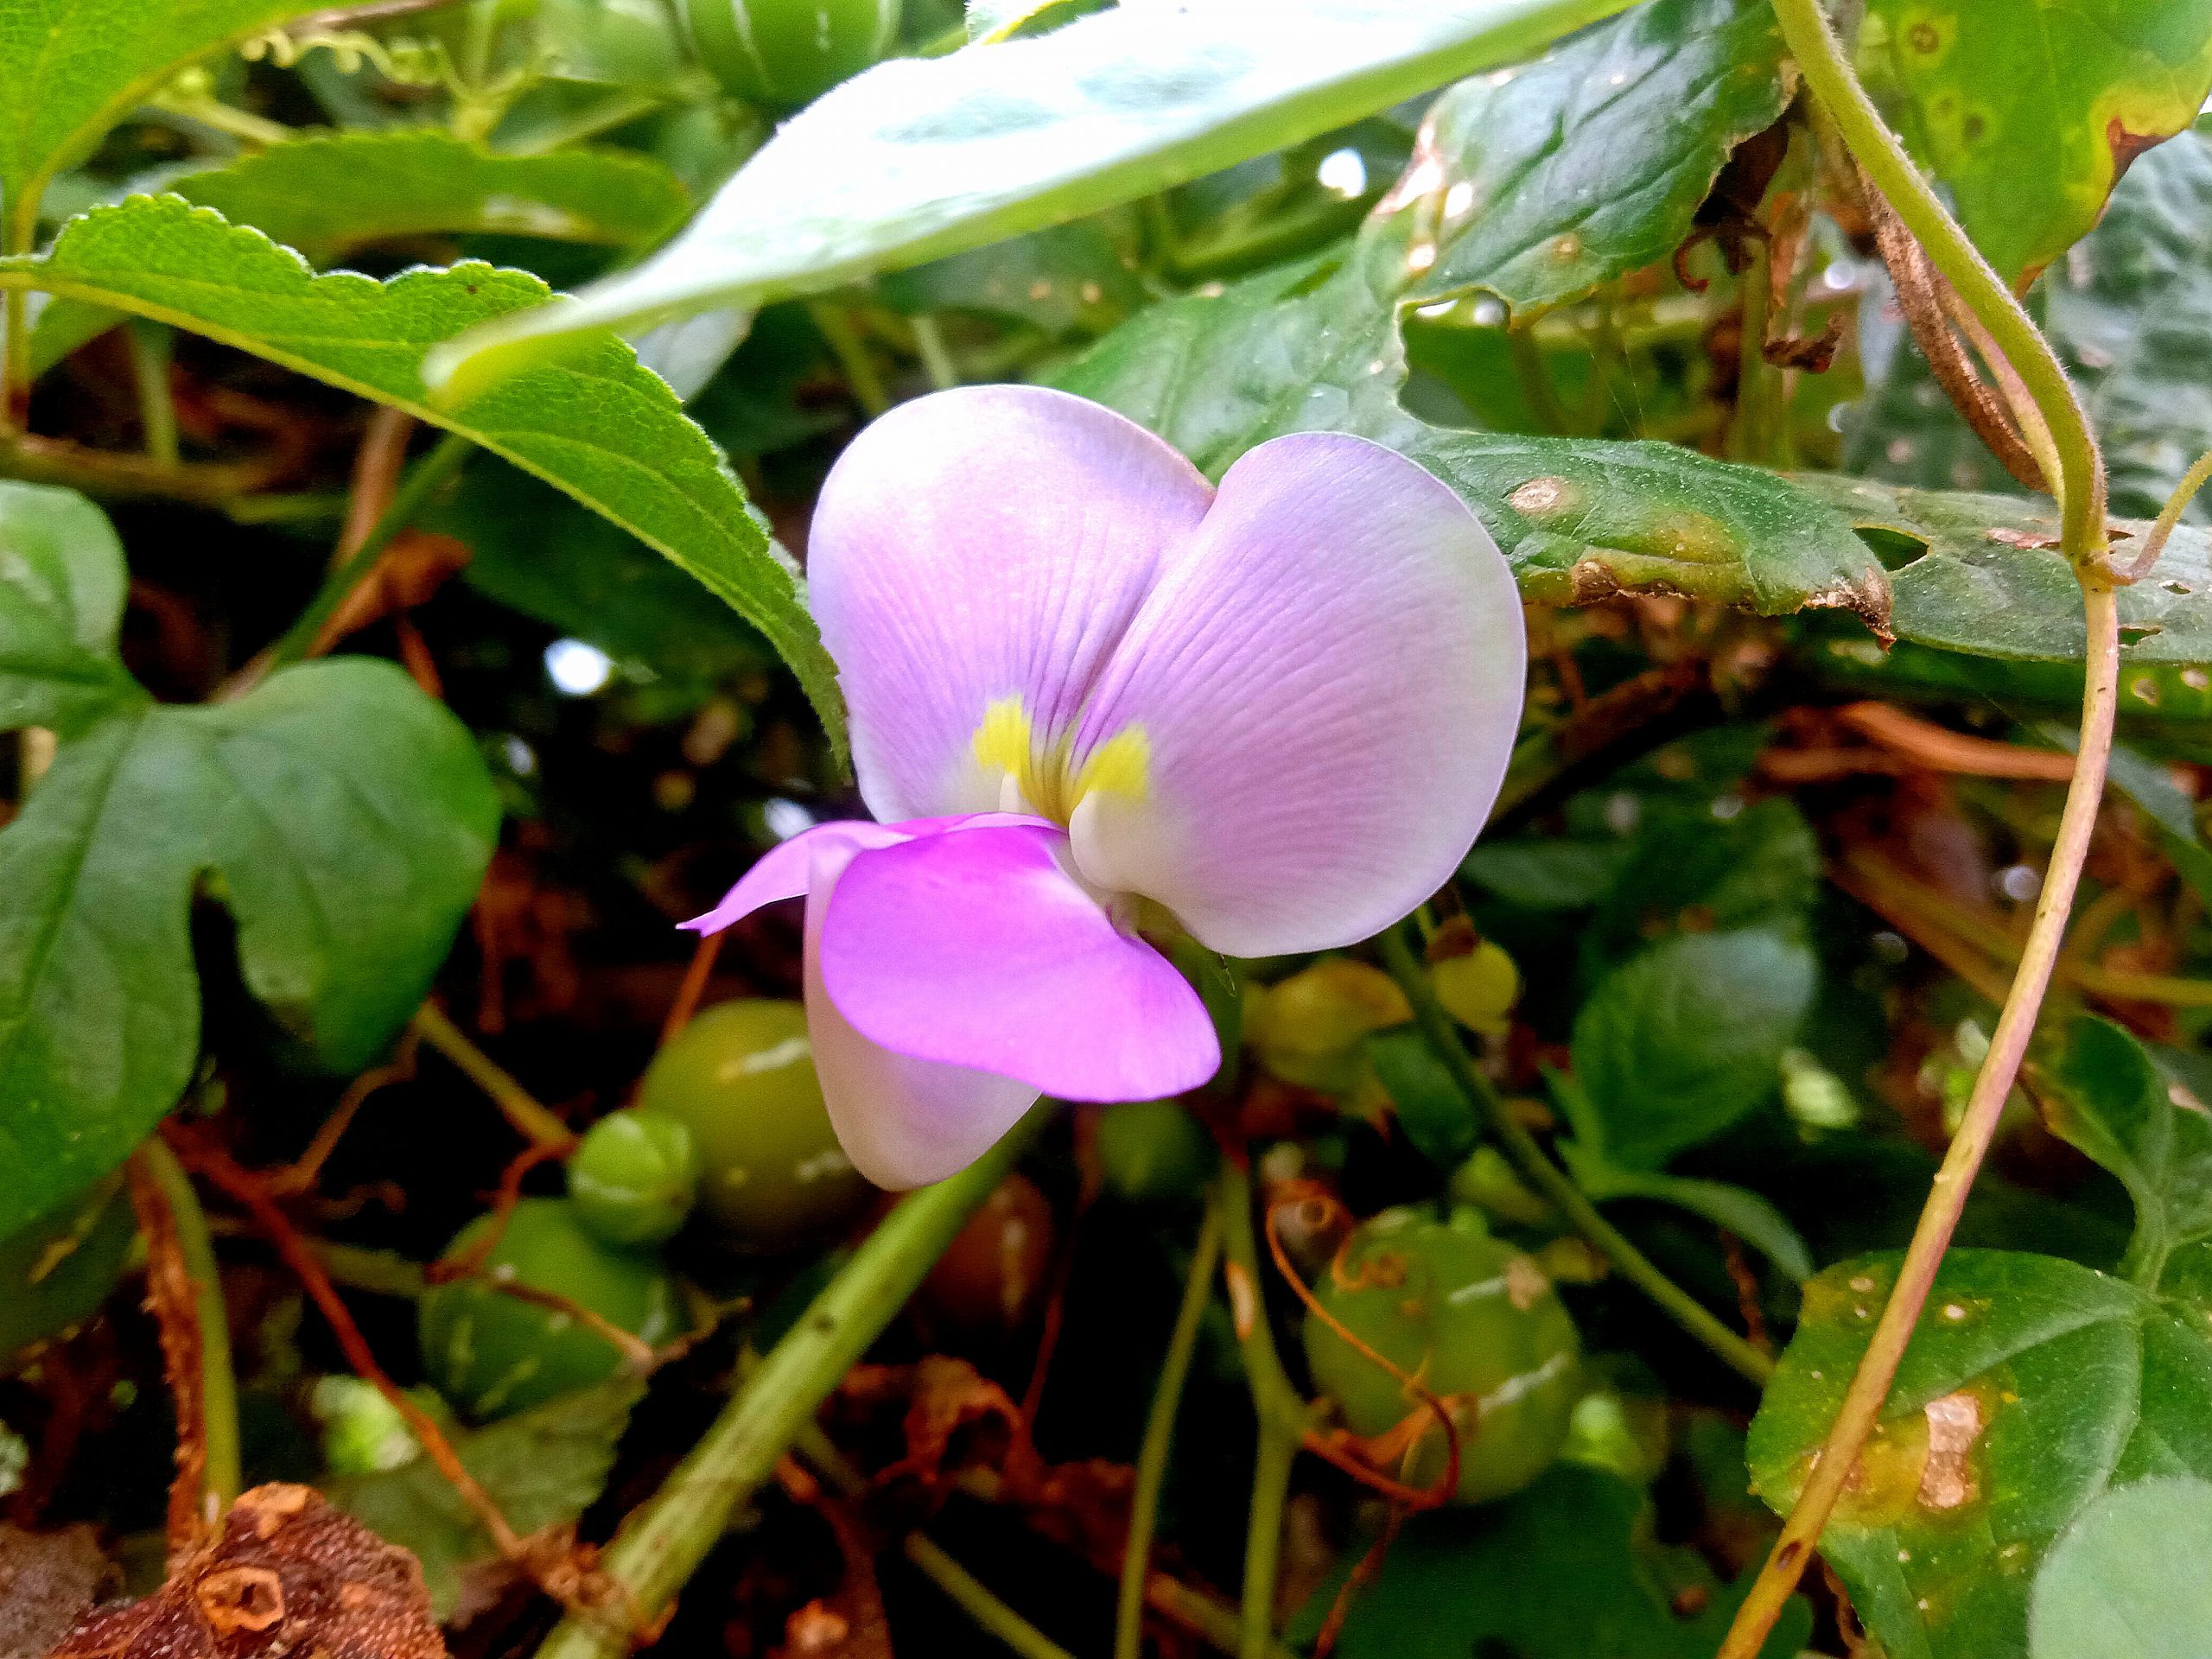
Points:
(1554, 1182)
(2081, 485)
(221, 1476)
(2170, 517)
(534, 1122)
(2081, 481)
(1160, 1436)
(662, 1542)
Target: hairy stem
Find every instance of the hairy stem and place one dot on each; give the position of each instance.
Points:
(2170, 517)
(1548, 1178)
(665, 1538)
(2081, 482)
(1159, 1436)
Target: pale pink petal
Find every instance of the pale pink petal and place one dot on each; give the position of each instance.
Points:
(977, 545)
(1327, 682)
(903, 1121)
(978, 950)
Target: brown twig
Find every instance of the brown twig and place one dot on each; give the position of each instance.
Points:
(175, 1301)
(694, 986)
(303, 1173)
(504, 1198)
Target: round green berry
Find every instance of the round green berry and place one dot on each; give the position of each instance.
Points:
(1477, 1321)
(740, 1078)
(633, 1179)
(493, 1354)
(785, 53)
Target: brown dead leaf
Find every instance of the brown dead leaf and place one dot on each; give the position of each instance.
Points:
(48, 1581)
(287, 1574)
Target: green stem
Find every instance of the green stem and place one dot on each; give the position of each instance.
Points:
(2081, 483)
(1749, 432)
(434, 469)
(1548, 1178)
(975, 1599)
(851, 351)
(662, 1542)
(1159, 1436)
(219, 1390)
(937, 357)
(2170, 517)
(150, 347)
(534, 1122)
(1278, 1449)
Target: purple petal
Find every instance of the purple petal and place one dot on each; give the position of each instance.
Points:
(978, 545)
(903, 1121)
(1328, 683)
(785, 871)
(978, 950)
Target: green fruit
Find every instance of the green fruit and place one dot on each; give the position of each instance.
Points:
(493, 1354)
(1476, 1321)
(633, 1179)
(1307, 1029)
(55, 1273)
(740, 1077)
(789, 52)
(1149, 1150)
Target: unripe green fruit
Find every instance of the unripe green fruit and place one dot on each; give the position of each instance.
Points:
(1479, 988)
(1149, 1150)
(740, 1078)
(493, 1354)
(1306, 1029)
(55, 1273)
(786, 52)
(633, 1179)
(1476, 1321)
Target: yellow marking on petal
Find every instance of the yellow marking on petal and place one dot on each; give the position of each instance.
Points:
(1002, 740)
(1005, 741)
(1120, 765)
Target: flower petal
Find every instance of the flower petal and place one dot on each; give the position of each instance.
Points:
(1328, 685)
(785, 870)
(978, 545)
(978, 950)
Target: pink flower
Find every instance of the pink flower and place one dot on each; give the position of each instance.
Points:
(1092, 694)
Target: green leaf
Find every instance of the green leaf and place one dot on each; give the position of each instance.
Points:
(61, 586)
(1690, 871)
(1066, 280)
(2031, 1386)
(70, 69)
(2029, 109)
(591, 422)
(2108, 1096)
(1739, 1210)
(1556, 874)
(1686, 1037)
(543, 1467)
(2109, 1588)
(1592, 161)
(1990, 581)
(344, 819)
(331, 192)
(1436, 1118)
(919, 158)
(1564, 1570)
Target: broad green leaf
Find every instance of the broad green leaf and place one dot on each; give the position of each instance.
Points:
(2107, 1095)
(62, 584)
(1740, 1211)
(330, 194)
(2029, 110)
(2032, 1387)
(1686, 1037)
(590, 422)
(1564, 1570)
(344, 819)
(1591, 161)
(1068, 279)
(1688, 870)
(2155, 698)
(543, 1467)
(547, 557)
(919, 158)
(1436, 1118)
(1315, 346)
(1991, 581)
(70, 69)
(2109, 1588)
(1546, 874)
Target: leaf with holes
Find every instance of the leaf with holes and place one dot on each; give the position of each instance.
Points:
(330, 194)
(590, 422)
(2030, 109)
(919, 158)
(2032, 1386)
(1545, 183)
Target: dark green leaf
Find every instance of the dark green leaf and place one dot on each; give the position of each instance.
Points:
(2109, 1588)
(61, 582)
(543, 1467)
(2029, 109)
(70, 69)
(2031, 1386)
(1436, 1118)
(1592, 161)
(1068, 279)
(592, 423)
(1686, 1037)
(1563, 1570)
(1546, 874)
(921, 158)
(1739, 1210)
(331, 192)
(1690, 870)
